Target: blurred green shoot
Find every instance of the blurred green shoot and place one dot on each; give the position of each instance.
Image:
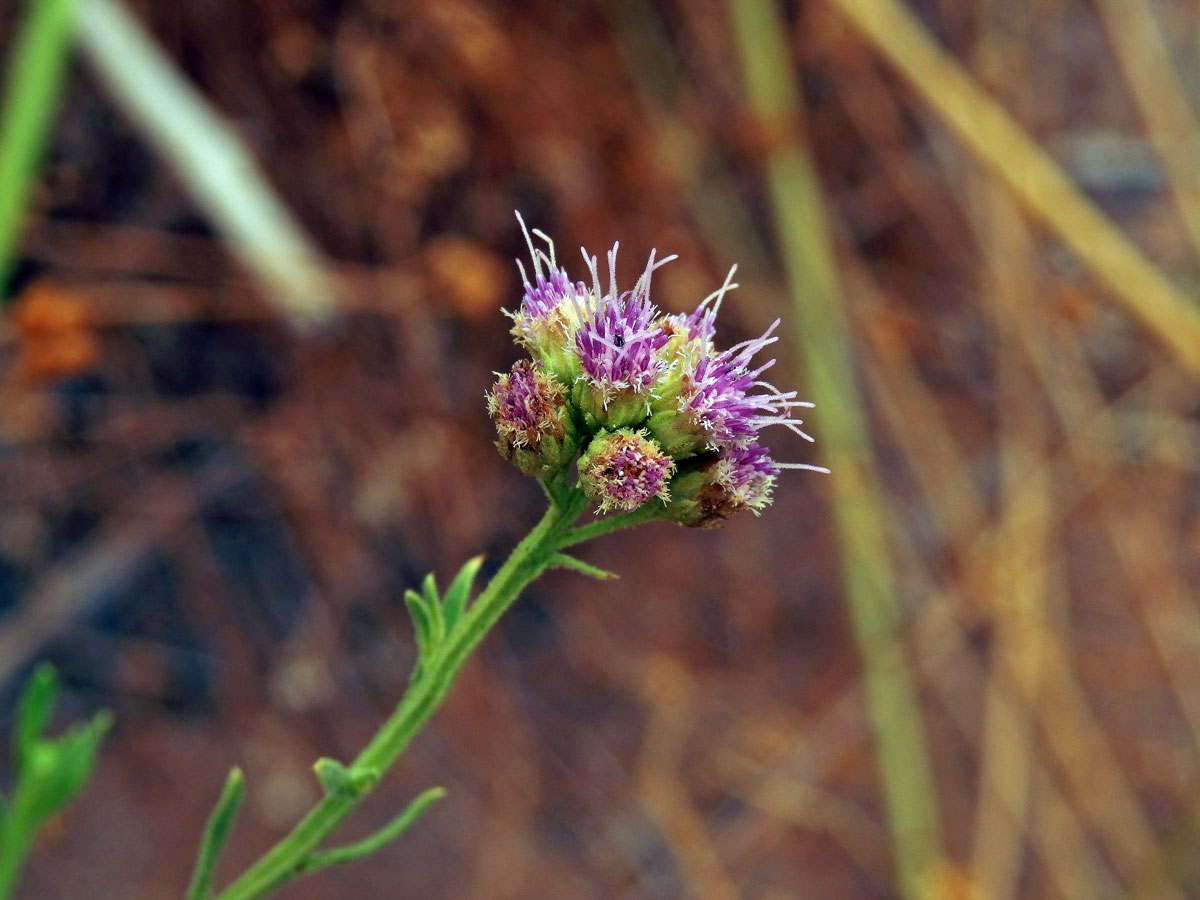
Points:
(859, 512)
(47, 772)
(209, 158)
(376, 841)
(202, 148)
(216, 832)
(34, 78)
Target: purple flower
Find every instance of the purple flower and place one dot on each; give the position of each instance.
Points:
(548, 316)
(532, 419)
(746, 475)
(648, 395)
(698, 327)
(723, 400)
(618, 344)
(623, 469)
(718, 485)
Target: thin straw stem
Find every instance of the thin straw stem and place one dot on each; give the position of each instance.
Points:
(858, 506)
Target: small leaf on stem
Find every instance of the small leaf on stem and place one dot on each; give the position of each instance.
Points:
(215, 834)
(434, 604)
(370, 844)
(565, 561)
(336, 778)
(33, 713)
(423, 623)
(455, 601)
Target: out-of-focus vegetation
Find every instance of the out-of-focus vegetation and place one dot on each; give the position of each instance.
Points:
(965, 665)
(47, 772)
(37, 60)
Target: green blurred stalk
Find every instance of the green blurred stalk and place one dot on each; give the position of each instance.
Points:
(34, 79)
(209, 158)
(859, 514)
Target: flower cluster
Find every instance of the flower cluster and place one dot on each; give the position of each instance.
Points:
(655, 410)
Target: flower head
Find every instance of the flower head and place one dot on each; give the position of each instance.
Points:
(718, 401)
(718, 485)
(623, 469)
(661, 414)
(618, 343)
(532, 419)
(549, 314)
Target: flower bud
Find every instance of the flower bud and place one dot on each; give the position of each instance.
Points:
(671, 422)
(617, 344)
(623, 469)
(550, 312)
(547, 322)
(676, 433)
(532, 419)
(612, 410)
(716, 486)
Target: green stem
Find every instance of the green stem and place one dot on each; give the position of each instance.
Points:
(34, 81)
(14, 845)
(287, 859)
(647, 513)
(371, 843)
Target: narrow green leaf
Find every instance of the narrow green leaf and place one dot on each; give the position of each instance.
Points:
(216, 832)
(564, 561)
(370, 844)
(61, 768)
(40, 52)
(429, 591)
(33, 713)
(455, 601)
(422, 622)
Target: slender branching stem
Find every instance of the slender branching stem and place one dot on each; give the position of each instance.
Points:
(293, 855)
(614, 522)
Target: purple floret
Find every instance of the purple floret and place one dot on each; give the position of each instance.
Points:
(701, 324)
(747, 474)
(716, 396)
(634, 477)
(527, 403)
(544, 321)
(624, 469)
(544, 295)
(619, 338)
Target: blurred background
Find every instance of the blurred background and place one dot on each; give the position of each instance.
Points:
(240, 414)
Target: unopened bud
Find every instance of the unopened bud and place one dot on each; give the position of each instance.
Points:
(532, 420)
(715, 486)
(623, 469)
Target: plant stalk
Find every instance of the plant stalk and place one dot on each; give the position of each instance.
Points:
(37, 66)
(858, 506)
(286, 860)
